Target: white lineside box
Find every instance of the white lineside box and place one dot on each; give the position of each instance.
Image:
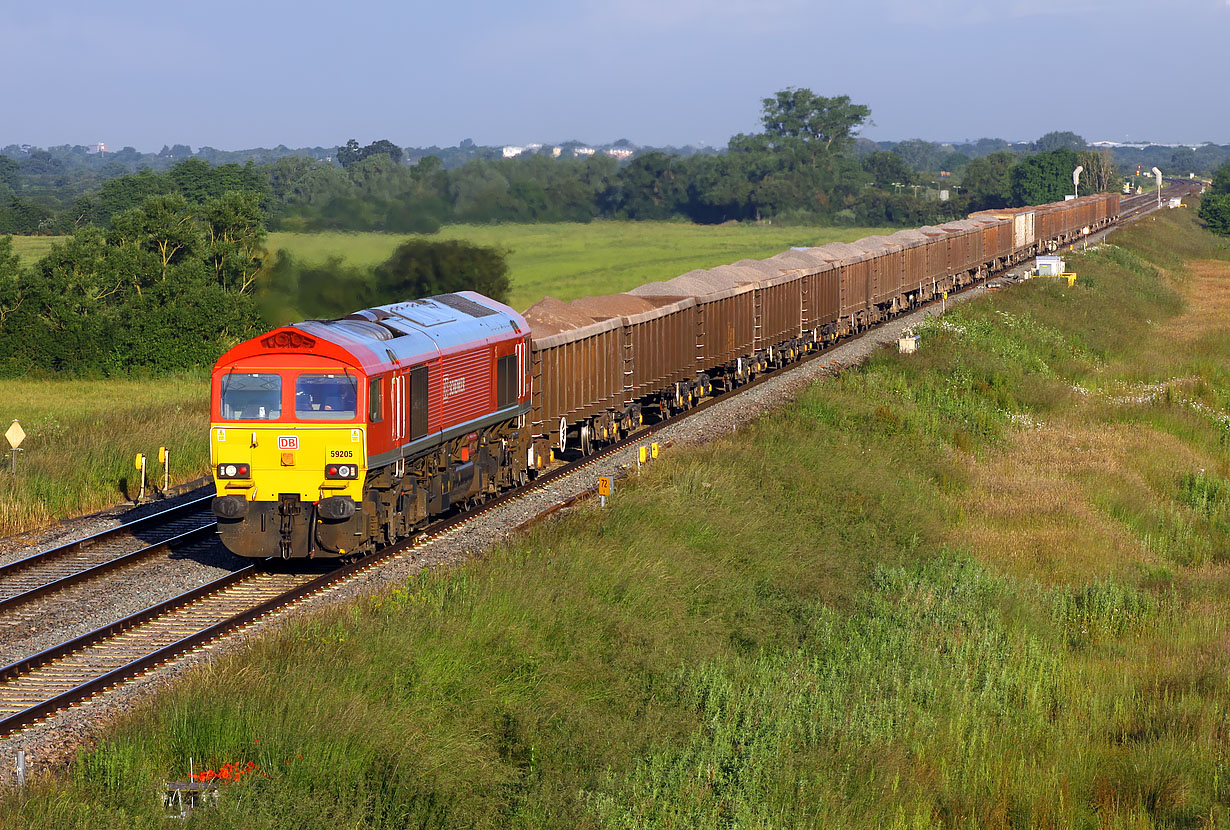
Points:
(907, 343)
(1050, 266)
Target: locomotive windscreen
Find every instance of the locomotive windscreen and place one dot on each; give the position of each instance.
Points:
(251, 397)
(325, 397)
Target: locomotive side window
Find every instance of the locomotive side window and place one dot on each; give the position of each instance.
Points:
(418, 402)
(375, 406)
(251, 397)
(326, 397)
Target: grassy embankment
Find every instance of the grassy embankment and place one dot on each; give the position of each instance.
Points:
(982, 586)
(83, 435)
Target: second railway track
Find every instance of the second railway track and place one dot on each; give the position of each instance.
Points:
(36, 576)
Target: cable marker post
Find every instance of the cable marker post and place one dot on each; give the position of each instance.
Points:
(15, 435)
(164, 457)
(139, 463)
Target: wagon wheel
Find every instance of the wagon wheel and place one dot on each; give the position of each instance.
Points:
(563, 433)
(586, 444)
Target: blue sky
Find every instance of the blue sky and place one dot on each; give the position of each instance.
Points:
(242, 74)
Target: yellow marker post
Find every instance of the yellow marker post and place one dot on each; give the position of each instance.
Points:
(653, 450)
(642, 454)
(604, 489)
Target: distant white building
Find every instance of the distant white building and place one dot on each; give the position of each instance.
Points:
(512, 152)
(94, 149)
(620, 153)
(583, 151)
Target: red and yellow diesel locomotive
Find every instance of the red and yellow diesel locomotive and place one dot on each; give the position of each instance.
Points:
(331, 436)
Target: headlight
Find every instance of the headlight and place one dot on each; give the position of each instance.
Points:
(344, 471)
(234, 471)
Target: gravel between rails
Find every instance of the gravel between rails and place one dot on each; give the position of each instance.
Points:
(53, 742)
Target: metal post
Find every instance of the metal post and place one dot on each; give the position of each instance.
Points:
(21, 767)
(139, 463)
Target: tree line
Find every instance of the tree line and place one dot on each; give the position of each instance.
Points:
(171, 283)
(807, 164)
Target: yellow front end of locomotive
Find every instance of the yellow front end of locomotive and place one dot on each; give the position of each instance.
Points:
(265, 463)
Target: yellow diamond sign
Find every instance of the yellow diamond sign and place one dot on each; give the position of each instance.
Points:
(15, 435)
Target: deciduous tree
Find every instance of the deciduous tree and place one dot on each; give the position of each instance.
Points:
(820, 123)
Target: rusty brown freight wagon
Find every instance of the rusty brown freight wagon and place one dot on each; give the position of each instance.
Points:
(777, 301)
(577, 365)
(854, 266)
(659, 341)
(819, 289)
(917, 254)
(996, 240)
(887, 263)
(939, 254)
(725, 316)
(967, 236)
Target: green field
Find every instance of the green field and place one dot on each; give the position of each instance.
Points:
(564, 260)
(570, 260)
(30, 248)
(981, 586)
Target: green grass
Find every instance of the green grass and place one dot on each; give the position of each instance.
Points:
(569, 260)
(928, 594)
(83, 435)
(31, 248)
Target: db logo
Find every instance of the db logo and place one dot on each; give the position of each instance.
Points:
(288, 442)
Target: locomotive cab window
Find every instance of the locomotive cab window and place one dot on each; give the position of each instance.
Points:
(251, 397)
(375, 406)
(326, 397)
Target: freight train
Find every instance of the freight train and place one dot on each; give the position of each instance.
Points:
(330, 438)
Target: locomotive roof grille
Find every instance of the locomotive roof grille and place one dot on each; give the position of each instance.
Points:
(464, 305)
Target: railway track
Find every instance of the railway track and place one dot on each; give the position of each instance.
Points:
(36, 576)
(39, 685)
